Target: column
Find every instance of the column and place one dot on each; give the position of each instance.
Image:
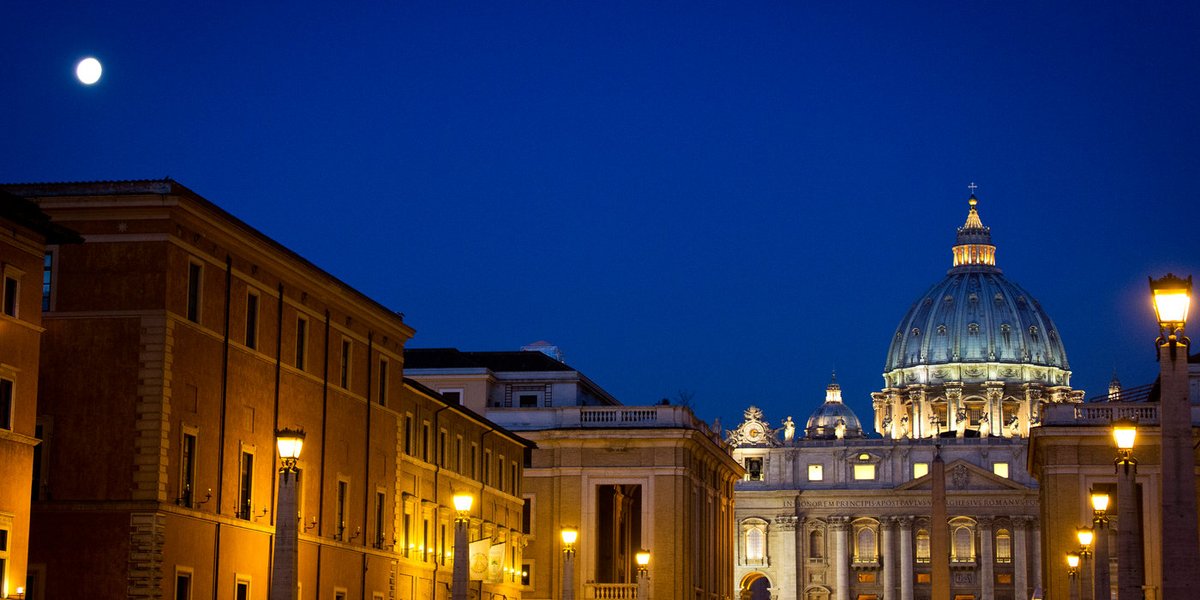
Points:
(987, 560)
(1020, 566)
(888, 554)
(841, 557)
(285, 570)
(906, 558)
(1037, 554)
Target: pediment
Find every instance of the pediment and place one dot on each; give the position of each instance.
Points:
(962, 476)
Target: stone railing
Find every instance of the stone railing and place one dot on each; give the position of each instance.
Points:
(610, 591)
(599, 417)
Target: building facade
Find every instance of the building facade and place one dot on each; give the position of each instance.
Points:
(25, 234)
(177, 341)
(828, 511)
(627, 477)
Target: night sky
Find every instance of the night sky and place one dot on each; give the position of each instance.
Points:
(728, 200)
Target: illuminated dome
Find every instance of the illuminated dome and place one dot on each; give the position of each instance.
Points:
(833, 419)
(975, 315)
(975, 355)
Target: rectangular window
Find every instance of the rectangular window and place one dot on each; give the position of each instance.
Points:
(920, 470)
(245, 485)
(343, 489)
(193, 292)
(407, 541)
(344, 376)
(452, 396)
(3, 555)
(816, 473)
(6, 404)
(380, 510)
(754, 468)
(500, 472)
(425, 442)
(47, 280)
(301, 341)
(864, 472)
(10, 296)
(183, 585)
(242, 589)
(1000, 468)
(513, 479)
(441, 457)
(527, 516)
(251, 320)
(458, 467)
(474, 459)
(187, 470)
(442, 548)
(527, 400)
(487, 467)
(425, 549)
(408, 434)
(383, 381)
(526, 569)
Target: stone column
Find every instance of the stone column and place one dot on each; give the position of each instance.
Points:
(1037, 554)
(1020, 565)
(1177, 485)
(887, 553)
(906, 558)
(987, 560)
(285, 570)
(841, 557)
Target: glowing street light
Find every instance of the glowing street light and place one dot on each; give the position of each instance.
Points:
(1072, 566)
(462, 505)
(643, 574)
(284, 569)
(1180, 540)
(569, 536)
(1101, 588)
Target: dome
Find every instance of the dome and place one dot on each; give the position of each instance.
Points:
(833, 419)
(975, 315)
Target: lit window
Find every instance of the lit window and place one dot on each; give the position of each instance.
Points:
(816, 473)
(1003, 546)
(864, 546)
(755, 544)
(920, 470)
(864, 472)
(964, 546)
(922, 546)
(1000, 468)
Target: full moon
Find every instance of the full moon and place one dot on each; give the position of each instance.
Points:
(88, 71)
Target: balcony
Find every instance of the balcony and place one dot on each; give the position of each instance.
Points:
(601, 417)
(610, 591)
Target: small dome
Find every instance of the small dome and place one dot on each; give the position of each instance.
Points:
(833, 419)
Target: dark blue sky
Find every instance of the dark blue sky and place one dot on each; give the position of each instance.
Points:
(730, 199)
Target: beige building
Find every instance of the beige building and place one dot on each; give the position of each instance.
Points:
(25, 234)
(177, 341)
(627, 477)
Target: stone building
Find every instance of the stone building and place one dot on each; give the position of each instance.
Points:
(829, 511)
(177, 341)
(627, 477)
(25, 234)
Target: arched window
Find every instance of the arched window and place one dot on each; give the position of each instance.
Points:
(1003, 546)
(756, 542)
(922, 546)
(964, 545)
(816, 544)
(864, 546)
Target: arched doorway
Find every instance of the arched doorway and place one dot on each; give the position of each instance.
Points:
(755, 586)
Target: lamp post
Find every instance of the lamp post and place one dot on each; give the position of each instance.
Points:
(1180, 540)
(462, 522)
(1072, 566)
(643, 574)
(1129, 544)
(569, 535)
(1100, 585)
(1085, 536)
(284, 569)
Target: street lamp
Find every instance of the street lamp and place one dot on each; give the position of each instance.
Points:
(284, 569)
(1180, 540)
(1072, 565)
(1100, 584)
(462, 522)
(643, 574)
(1129, 545)
(1085, 536)
(569, 535)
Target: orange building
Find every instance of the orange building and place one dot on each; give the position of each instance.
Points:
(24, 233)
(177, 341)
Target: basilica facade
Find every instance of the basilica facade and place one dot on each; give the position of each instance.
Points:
(828, 510)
